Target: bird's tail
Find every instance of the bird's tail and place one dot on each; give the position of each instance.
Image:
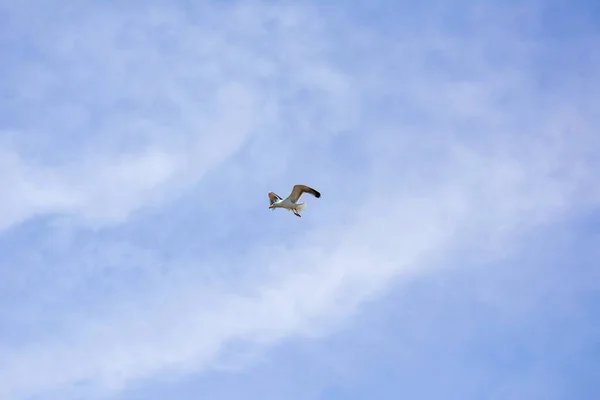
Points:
(301, 207)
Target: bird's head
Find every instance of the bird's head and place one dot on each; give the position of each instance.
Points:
(272, 207)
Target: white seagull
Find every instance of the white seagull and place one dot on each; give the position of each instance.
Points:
(290, 203)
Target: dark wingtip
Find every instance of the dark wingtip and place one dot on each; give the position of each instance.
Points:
(317, 194)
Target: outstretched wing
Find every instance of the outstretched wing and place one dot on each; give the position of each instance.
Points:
(299, 189)
(273, 197)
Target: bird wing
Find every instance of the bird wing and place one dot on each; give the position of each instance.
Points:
(273, 197)
(299, 189)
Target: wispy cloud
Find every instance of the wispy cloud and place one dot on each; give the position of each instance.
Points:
(138, 144)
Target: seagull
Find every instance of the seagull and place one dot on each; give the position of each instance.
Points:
(290, 203)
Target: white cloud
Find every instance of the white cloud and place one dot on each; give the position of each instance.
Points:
(173, 110)
(435, 184)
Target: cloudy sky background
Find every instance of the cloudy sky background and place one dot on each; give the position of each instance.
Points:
(453, 253)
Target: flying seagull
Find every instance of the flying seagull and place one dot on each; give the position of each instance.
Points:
(290, 203)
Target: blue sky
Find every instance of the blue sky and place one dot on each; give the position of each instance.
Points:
(453, 253)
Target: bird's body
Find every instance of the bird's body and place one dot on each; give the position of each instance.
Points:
(291, 202)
